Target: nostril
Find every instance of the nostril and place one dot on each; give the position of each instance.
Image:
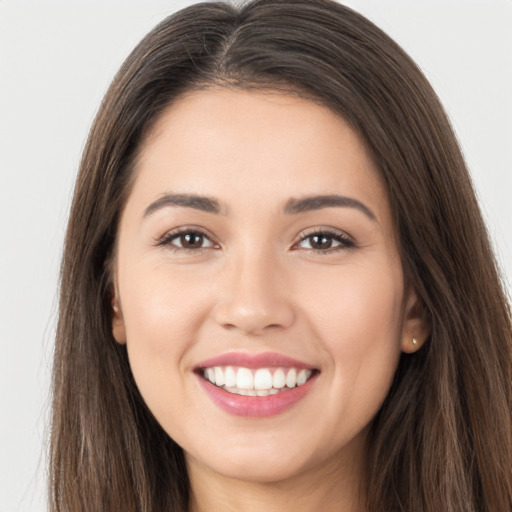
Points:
(256, 319)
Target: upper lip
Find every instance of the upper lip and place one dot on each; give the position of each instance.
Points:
(247, 360)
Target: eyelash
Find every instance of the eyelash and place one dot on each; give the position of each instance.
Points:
(334, 235)
(167, 239)
(329, 234)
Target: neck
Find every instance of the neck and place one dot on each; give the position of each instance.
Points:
(333, 487)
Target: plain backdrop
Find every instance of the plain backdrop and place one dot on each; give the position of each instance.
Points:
(56, 61)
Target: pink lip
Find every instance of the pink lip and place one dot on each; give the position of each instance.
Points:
(263, 360)
(256, 406)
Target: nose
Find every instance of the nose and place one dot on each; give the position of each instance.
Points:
(254, 297)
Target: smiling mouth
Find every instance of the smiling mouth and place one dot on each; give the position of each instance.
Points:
(256, 381)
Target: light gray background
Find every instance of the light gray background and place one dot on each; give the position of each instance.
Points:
(56, 61)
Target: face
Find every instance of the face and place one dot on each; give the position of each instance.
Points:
(259, 287)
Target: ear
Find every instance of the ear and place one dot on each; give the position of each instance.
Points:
(118, 329)
(416, 328)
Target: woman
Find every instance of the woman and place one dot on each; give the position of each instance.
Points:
(277, 288)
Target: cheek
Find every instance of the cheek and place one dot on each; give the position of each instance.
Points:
(163, 314)
(161, 305)
(355, 303)
(357, 317)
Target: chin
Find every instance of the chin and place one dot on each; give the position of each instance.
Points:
(257, 466)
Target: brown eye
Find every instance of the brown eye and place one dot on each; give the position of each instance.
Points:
(191, 240)
(326, 242)
(187, 240)
(320, 242)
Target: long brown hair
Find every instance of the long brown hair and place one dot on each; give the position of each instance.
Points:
(443, 438)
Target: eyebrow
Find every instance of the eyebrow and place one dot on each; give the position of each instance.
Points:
(307, 204)
(205, 204)
(292, 207)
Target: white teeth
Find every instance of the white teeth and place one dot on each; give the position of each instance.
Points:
(219, 376)
(278, 379)
(262, 379)
(302, 377)
(291, 378)
(244, 379)
(260, 382)
(229, 377)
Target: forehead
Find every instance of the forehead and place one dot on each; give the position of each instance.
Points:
(260, 146)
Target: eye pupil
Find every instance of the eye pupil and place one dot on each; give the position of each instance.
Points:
(191, 240)
(320, 242)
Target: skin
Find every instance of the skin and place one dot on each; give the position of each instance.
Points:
(257, 283)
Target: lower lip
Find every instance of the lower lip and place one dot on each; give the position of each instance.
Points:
(256, 406)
